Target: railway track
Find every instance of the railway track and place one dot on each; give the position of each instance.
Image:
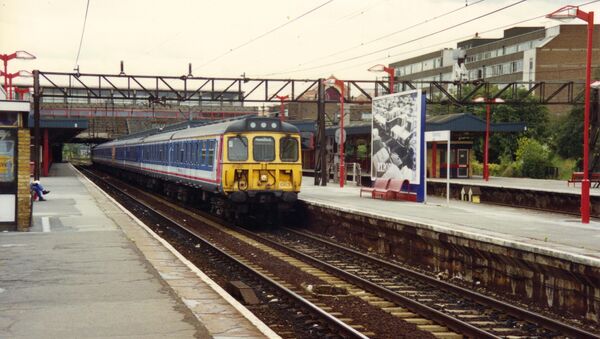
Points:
(311, 320)
(443, 309)
(423, 294)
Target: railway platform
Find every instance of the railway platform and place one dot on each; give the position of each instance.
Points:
(541, 232)
(537, 257)
(87, 268)
(542, 185)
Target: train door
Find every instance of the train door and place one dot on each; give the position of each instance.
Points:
(463, 163)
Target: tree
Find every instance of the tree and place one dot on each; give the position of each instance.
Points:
(532, 158)
(568, 140)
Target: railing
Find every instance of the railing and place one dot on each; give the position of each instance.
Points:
(352, 169)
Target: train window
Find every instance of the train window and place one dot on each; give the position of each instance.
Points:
(204, 146)
(264, 149)
(180, 152)
(237, 148)
(288, 149)
(211, 152)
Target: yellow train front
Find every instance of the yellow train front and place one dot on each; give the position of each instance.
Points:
(249, 166)
(261, 165)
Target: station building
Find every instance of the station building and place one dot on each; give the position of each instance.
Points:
(527, 54)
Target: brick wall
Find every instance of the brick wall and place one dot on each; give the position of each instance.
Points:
(23, 173)
(563, 59)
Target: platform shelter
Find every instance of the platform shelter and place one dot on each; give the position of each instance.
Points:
(15, 197)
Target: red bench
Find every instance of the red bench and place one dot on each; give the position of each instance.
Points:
(380, 184)
(393, 190)
(578, 177)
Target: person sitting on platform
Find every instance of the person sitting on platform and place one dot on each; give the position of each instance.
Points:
(37, 187)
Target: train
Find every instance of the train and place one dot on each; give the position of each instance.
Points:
(235, 168)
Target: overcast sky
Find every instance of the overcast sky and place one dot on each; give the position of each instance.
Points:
(220, 37)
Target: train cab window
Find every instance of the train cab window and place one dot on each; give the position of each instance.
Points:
(263, 149)
(288, 149)
(237, 148)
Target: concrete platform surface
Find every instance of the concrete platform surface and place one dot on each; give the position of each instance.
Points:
(543, 185)
(551, 234)
(88, 269)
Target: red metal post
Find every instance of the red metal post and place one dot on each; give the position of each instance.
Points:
(46, 154)
(282, 107)
(392, 72)
(486, 173)
(9, 85)
(5, 73)
(342, 163)
(585, 183)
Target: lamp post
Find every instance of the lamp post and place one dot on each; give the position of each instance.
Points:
(340, 84)
(488, 108)
(16, 55)
(568, 13)
(11, 76)
(389, 70)
(21, 91)
(282, 107)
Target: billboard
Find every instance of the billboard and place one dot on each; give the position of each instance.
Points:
(8, 141)
(397, 137)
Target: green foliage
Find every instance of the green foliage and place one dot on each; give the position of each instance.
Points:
(534, 115)
(362, 151)
(568, 135)
(532, 158)
(565, 167)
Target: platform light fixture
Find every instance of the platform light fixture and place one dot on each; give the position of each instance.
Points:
(391, 71)
(569, 13)
(10, 76)
(23, 55)
(282, 99)
(488, 109)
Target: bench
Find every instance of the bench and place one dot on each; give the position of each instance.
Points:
(578, 177)
(380, 184)
(393, 191)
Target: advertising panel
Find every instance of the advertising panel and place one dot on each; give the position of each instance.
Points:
(397, 137)
(7, 155)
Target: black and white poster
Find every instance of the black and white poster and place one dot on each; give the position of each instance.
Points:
(396, 136)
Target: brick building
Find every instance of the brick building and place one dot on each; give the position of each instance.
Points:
(525, 54)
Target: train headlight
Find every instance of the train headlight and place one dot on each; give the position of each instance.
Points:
(264, 177)
(242, 184)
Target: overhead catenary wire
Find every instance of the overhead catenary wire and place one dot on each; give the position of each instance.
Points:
(385, 36)
(266, 33)
(87, 7)
(402, 43)
(379, 59)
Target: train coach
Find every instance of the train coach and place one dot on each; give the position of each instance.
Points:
(249, 164)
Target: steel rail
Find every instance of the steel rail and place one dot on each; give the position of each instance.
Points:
(342, 328)
(513, 310)
(413, 305)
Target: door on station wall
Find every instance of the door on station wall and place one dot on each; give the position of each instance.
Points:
(463, 163)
